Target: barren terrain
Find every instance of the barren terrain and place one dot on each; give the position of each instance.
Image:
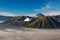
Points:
(30, 34)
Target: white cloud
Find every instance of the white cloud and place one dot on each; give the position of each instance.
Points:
(48, 9)
(52, 13)
(44, 8)
(7, 14)
(47, 6)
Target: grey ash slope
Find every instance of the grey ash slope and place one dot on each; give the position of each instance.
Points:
(46, 22)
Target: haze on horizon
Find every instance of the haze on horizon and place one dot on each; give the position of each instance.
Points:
(29, 7)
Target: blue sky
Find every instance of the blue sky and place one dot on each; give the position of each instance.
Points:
(29, 7)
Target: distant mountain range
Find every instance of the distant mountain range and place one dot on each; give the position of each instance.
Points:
(53, 21)
(3, 18)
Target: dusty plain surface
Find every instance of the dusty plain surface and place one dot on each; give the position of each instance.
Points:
(30, 34)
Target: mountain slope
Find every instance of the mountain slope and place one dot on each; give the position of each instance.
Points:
(39, 22)
(45, 22)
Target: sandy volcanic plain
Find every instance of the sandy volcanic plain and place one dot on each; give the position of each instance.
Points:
(30, 34)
